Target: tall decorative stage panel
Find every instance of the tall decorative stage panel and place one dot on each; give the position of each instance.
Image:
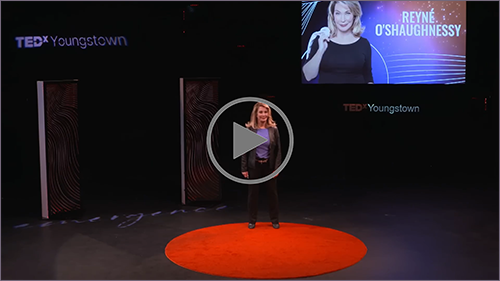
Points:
(59, 151)
(199, 102)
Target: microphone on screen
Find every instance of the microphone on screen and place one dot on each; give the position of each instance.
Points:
(325, 31)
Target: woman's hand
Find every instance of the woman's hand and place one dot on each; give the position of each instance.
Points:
(245, 174)
(324, 33)
(322, 43)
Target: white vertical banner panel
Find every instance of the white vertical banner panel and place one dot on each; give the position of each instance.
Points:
(58, 132)
(199, 103)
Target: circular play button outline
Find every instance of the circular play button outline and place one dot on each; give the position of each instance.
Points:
(209, 141)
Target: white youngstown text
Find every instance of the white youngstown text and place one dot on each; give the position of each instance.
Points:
(391, 109)
(84, 42)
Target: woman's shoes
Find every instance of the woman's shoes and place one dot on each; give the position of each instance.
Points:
(275, 225)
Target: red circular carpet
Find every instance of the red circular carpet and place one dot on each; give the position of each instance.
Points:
(293, 251)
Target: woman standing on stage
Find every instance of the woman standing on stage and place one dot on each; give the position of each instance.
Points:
(262, 161)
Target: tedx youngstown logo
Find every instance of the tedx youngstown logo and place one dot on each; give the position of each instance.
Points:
(26, 42)
(391, 109)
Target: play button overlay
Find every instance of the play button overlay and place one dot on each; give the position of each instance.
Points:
(245, 140)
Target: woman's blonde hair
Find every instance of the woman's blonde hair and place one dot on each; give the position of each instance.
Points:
(253, 117)
(355, 8)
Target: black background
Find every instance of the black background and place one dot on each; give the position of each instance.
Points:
(129, 98)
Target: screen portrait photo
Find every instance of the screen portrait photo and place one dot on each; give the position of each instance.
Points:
(383, 42)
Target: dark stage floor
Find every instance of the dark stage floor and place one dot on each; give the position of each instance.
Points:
(412, 231)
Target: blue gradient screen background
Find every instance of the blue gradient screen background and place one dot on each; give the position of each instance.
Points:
(399, 58)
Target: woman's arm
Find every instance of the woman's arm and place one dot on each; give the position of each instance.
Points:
(244, 161)
(367, 69)
(278, 149)
(311, 68)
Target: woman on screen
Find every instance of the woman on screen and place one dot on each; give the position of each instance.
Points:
(340, 55)
(262, 161)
